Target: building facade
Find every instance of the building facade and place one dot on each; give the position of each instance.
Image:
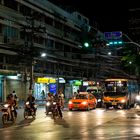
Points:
(28, 28)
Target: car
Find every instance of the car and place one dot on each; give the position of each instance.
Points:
(82, 101)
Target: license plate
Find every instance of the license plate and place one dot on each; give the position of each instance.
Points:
(114, 103)
(75, 105)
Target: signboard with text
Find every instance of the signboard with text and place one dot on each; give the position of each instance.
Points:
(113, 35)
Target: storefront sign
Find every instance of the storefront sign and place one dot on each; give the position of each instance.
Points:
(46, 80)
(8, 72)
(77, 83)
(42, 80)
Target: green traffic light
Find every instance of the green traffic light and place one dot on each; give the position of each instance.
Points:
(86, 44)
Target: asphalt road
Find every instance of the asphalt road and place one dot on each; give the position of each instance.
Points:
(98, 124)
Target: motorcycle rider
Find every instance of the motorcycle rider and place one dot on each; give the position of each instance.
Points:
(31, 100)
(49, 99)
(59, 101)
(12, 103)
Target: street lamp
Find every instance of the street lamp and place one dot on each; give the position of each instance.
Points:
(130, 40)
(109, 53)
(43, 54)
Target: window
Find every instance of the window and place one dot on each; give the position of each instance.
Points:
(50, 43)
(58, 25)
(79, 17)
(25, 10)
(48, 20)
(11, 4)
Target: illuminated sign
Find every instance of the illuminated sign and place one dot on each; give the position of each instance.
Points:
(46, 80)
(91, 82)
(77, 83)
(85, 83)
(52, 88)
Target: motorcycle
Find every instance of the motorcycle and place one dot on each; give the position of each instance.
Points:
(48, 107)
(30, 111)
(55, 112)
(5, 114)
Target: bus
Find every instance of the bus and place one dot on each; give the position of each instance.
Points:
(120, 93)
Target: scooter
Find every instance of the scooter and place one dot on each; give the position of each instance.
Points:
(29, 111)
(6, 116)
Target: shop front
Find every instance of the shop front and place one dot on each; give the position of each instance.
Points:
(44, 85)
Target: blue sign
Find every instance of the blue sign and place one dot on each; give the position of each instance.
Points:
(52, 88)
(113, 35)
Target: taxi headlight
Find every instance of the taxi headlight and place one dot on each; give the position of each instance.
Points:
(84, 103)
(70, 102)
(123, 101)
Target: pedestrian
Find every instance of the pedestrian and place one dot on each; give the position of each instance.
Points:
(62, 98)
(14, 94)
(43, 94)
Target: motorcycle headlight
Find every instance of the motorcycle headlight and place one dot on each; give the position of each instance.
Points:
(27, 103)
(99, 100)
(48, 103)
(123, 101)
(6, 105)
(54, 103)
(84, 103)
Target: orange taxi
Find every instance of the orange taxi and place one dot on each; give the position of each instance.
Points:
(83, 101)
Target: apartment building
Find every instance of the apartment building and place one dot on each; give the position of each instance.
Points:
(30, 27)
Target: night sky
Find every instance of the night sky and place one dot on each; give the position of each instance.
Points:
(110, 15)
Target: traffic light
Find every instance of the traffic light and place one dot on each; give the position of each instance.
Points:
(86, 44)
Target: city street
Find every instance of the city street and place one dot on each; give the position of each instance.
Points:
(98, 124)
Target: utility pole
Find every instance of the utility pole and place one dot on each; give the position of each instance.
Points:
(30, 31)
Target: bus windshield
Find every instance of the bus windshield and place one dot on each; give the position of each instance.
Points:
(115, 93)
(116, 86)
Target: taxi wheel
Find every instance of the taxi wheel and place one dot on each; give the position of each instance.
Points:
(88, 108)
(94, 106)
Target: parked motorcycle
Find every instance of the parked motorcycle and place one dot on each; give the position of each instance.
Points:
(5, 114)
(30, 111)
